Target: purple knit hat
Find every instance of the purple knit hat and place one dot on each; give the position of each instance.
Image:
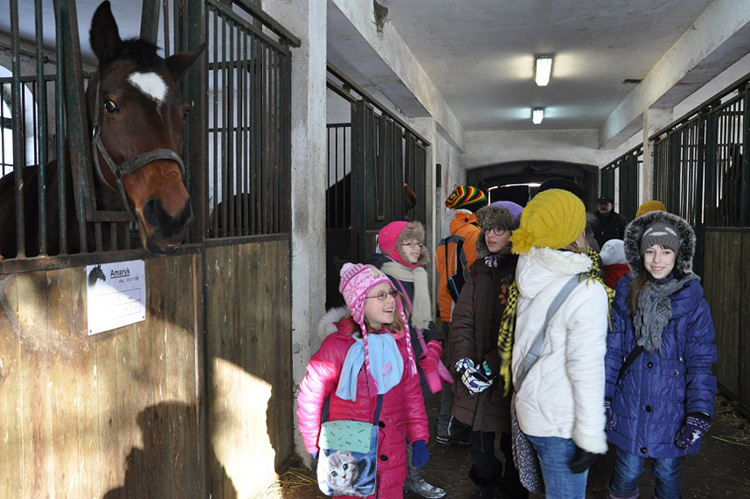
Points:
(514, 208)
(356, 280)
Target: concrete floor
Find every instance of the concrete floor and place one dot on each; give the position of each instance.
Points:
(721, 469)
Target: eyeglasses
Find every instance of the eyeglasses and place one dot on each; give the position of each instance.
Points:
(413, 245)
(497, 231)
(383, 295)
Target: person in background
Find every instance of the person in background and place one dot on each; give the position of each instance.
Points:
(454, 256)
(660, 390)
(372, 330)
(649, 206)
(560, 403)
(611, 224)
(614, 264)
(402, 258)
(570, 186)
(479, 403)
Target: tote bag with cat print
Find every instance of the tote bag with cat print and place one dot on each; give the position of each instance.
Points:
(348, 458)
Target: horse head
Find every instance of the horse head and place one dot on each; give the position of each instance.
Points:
(137, 114)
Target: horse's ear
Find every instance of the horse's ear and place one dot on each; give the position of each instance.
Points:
(180, 62)
(104, 36)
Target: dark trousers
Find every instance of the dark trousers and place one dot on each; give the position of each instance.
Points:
(486, 469)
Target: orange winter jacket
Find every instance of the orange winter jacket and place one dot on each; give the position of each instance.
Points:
(464, 232)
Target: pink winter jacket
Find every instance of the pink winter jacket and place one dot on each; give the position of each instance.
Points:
(402, 415)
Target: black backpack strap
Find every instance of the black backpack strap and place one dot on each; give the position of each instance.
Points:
(634, 353)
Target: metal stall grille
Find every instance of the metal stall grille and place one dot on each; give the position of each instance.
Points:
(622, 177)
(249, 125)
(45, 130)
(376, 169)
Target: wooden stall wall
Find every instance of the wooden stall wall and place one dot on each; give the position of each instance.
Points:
(726, 282)
(110, 415)
(249, 338)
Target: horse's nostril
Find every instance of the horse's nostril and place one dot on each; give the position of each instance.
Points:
(151, 209)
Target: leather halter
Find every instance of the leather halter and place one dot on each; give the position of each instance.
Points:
(129, 166)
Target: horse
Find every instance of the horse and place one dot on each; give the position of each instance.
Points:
(136, 114)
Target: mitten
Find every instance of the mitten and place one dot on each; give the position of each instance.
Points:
(696, 424)
(610, 415)
(420, 454)
(485, 373)
(582, 460)
(431, 356)
(472, 379)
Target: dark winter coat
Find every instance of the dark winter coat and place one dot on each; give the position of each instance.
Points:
(609, 226)
(659, 389)
(476, 321)
(430, 333)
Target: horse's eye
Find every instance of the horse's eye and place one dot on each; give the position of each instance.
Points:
(110, 106)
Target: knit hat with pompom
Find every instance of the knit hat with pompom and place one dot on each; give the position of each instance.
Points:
(649, 206)
(553, 218)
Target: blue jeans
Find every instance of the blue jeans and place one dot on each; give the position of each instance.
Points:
(554, 455)
(624, 481)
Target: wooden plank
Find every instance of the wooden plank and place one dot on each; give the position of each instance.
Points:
(11, 421)
(722, 282)
(65, 366)
(744, 329)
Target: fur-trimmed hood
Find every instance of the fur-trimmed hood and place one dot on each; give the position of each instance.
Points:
(634, 233)
(328, 323)
(490, 217)
(392, 236)
(541, 266)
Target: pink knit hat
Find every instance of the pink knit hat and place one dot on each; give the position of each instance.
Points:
(356, 280)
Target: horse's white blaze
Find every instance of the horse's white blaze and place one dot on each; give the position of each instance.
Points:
(150, 84)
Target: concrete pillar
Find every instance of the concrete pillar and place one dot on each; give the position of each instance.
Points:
(307, 20)
(653, 120)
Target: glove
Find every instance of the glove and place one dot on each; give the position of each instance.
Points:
(582, 460)
(485, 373)
(431, 356)
(610, 415)
(420, 454)
(474, 380)
(695, 426)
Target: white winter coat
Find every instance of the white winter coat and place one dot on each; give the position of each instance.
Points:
(563, 393)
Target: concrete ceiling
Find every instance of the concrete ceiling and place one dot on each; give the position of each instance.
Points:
(479, 55)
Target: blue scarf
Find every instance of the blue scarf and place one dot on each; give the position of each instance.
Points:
(386, 365)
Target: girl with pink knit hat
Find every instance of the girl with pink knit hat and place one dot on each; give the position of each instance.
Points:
(402, 256)
(366, 356)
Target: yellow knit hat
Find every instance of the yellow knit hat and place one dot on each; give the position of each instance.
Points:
(553, 218)
(648, 206)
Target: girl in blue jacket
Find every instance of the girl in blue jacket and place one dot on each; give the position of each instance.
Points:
(659, 387)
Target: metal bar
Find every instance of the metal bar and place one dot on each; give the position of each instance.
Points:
(18, 133)
(228, 13)
(77, 121)
(150, 21)
(745, 176)
(41, 100)
(271, 23)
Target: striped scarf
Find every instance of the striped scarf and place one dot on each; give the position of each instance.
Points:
(508, 322)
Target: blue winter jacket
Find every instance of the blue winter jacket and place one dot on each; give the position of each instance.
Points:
(659, 389)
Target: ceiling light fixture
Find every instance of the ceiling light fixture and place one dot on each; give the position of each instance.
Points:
(543, 70)
(537, 115)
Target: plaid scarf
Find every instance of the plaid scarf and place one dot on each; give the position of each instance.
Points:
(508, 322)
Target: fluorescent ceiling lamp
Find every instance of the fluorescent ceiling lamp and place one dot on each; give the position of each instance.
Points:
(543, 70)
(537, 115)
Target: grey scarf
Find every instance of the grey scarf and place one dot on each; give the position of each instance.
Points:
(655, 310)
